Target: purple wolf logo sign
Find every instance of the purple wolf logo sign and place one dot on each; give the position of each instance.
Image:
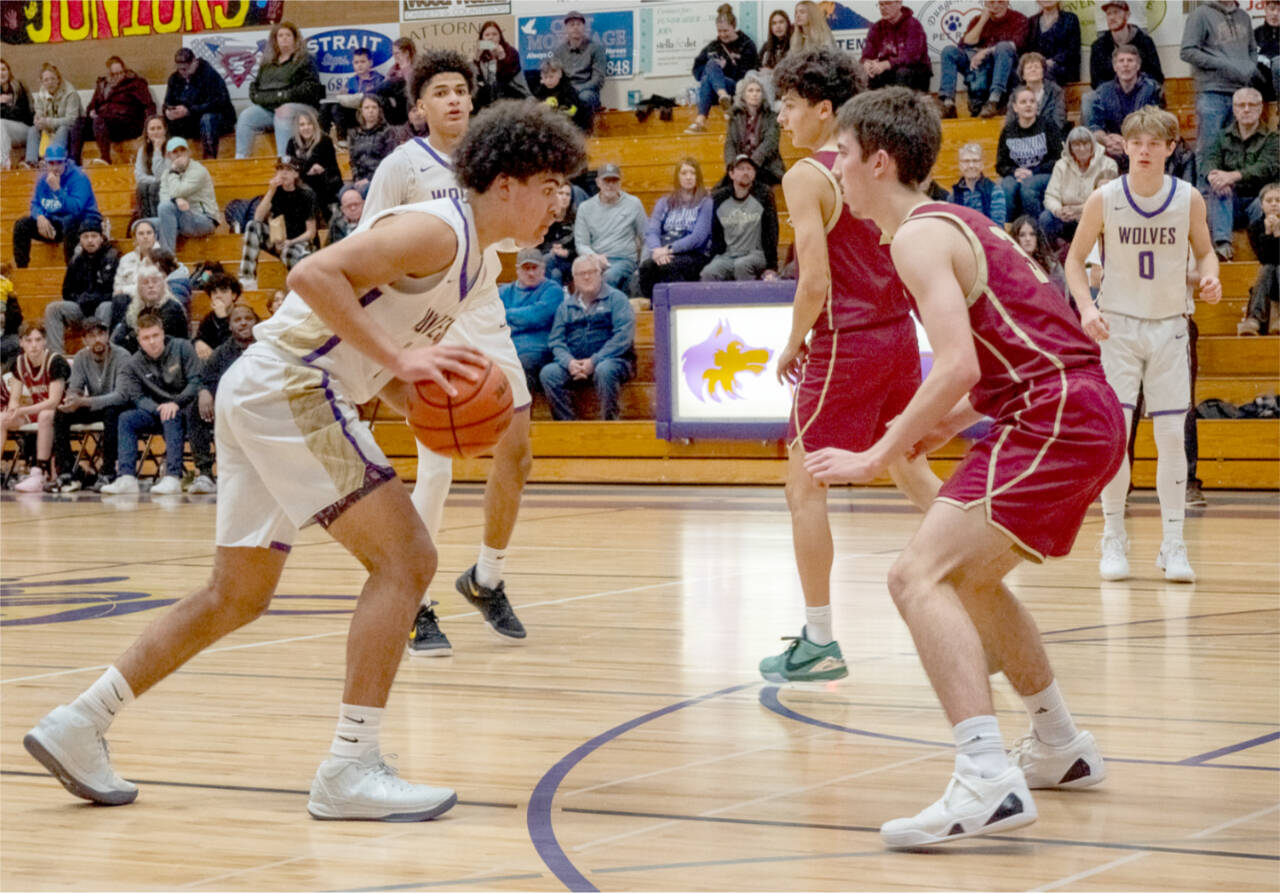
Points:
(719, 361)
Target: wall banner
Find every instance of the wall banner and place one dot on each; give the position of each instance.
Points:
(539, 35)
(58, 21)
(418, 10)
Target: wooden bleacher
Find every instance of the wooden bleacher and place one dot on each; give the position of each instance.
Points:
(1234, 453)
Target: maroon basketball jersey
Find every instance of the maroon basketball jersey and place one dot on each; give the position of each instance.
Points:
(865, 289)
(35, 379)
(1022, 328)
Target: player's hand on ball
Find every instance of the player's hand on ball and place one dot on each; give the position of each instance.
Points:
(432, 362)
(1210, 289)
(1094, 325)
(831, 465)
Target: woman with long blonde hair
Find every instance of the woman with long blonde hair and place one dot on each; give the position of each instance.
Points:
(56, 108)
(678, 238)
(809, 28)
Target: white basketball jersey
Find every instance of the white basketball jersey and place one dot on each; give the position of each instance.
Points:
(417, 312)
(414, 172)
(1145, 241)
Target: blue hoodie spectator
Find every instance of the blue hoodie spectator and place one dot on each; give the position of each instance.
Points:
(530, 310)
(65, 208)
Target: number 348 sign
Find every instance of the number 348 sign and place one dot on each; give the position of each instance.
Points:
(615, 30)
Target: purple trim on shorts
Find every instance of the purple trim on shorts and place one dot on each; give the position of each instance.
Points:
(370, 296)
(374, 477)
(522, 408)
(463, 286)
(426, 147)
(340, 419)
(1128, 406)
(283, 547)
(325, 348)
(1124, 183)
(1169, 412)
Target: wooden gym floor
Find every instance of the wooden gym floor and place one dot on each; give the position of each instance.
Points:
(629, 744)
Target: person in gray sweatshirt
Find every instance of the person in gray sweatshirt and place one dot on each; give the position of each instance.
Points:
(155, 385)
(611, 226)
(91, 397)
(1218, 44)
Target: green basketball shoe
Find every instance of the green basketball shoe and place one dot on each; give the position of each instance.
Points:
(805, 661)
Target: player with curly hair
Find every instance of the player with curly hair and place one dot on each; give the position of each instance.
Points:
(364, 319)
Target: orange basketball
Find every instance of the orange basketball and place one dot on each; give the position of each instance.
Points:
(466, 425)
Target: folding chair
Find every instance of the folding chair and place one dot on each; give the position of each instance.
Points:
(20, 437)
(90, 435)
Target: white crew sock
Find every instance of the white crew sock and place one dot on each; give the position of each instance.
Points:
(489, 566)
(1050, 719)
(979, 748)
(357, 732)
(106, 698)
(1171, 472)
(817, 624)
(1116, 492)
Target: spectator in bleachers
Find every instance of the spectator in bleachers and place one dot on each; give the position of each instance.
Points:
(678, 238)
(15, 114)
(126, 282)
(215, 328)
(986, 57)
(592, 343)
(975, 189)
(153, 297)
(897, 51)
(177, 277)
(1120, 33)
(1116, 100)
(1218, 44)
(1267, 36)
(86, 288)
(1054, 33)
(754, 130)
(317, 159)
(62, 201)
(120, 105)
(287, 83)
(777, 45)
(1264, 236)
(555, 90)
(610, 227)
(159, 381)
(415, 126)
(42, 376)
(744, 228)
(370, 143)
(394, 91)
(150, 164)
(1083, 167)
(91, 397)
(531, 303)
(188, 204)
(582, 59)
(558, 248)
(809, 29)
(1051, 102)
(277, 299)
(365, 81)
(199, 413)
(56, 110)
(720, 65)
(347, 217)
(1028, 150)
(1036, 246)
(10, 320)
(499, 74)
(1243, 158)
(196, 102)
(290, 207)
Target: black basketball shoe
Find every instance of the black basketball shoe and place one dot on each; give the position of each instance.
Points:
(428, 640)
(492, 604)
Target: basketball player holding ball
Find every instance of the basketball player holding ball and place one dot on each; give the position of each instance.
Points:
(363, 318)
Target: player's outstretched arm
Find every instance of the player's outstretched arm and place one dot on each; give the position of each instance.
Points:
(1202, 247)
(403, 245)
(1087, 233)
(929, 256)
(805, 189)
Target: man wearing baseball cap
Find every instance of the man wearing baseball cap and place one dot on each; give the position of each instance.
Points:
(610, 225)
(196, 102)
(63, 200)
(582, 58)
(1119, 32)
(288, 198)
(744, 228)
(531, 303)
(188, 205)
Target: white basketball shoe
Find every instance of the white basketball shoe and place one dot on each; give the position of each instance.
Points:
(1078, 764)
(1114, 564)
(970, 806)
(71, 748)
(1172, 560)
(367, 788)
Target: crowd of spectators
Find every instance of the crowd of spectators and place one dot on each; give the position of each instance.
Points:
(570, 308)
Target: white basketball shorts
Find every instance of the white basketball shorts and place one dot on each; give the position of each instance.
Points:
(1151, 355)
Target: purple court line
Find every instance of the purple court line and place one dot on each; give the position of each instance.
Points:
(1229, 749)
(541, 829)
(769, 699)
